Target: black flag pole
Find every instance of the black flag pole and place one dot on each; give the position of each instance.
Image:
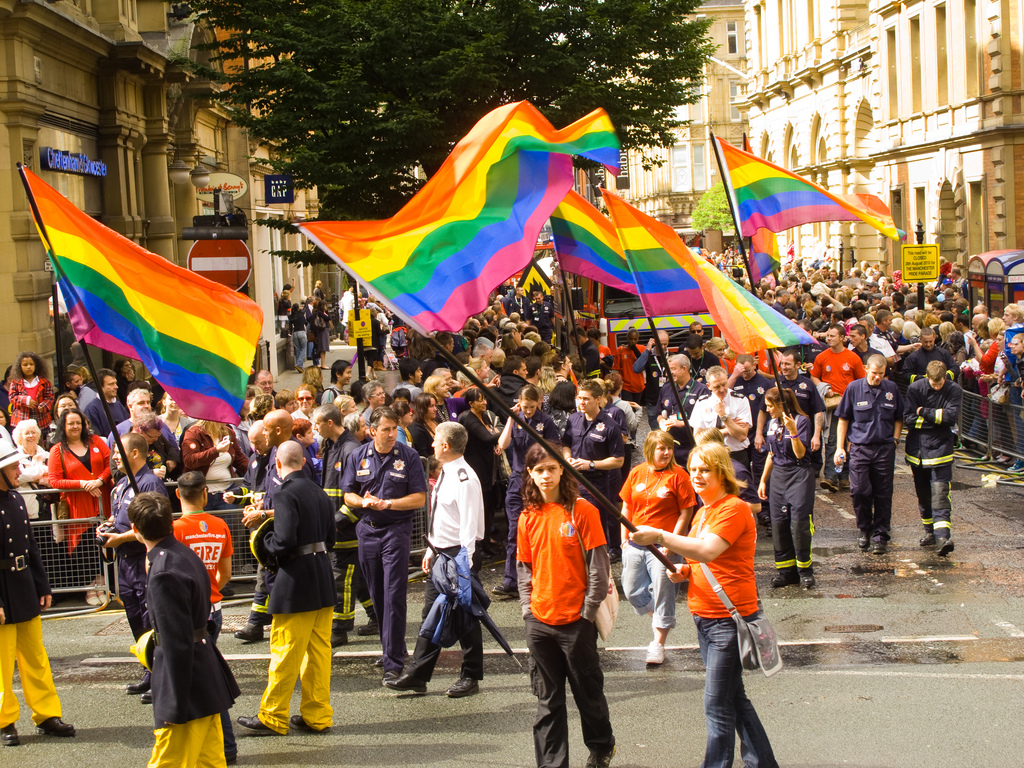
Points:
(59, 271)
(727, 183)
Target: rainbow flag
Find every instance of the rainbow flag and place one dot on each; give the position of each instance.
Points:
(586, 244)
(475, 222)
(653, 253)
(747, 323)
(765, 195)
(764, 256)
(197, 337)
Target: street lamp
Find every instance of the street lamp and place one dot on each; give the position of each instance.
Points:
(178, 172)
(200, 176)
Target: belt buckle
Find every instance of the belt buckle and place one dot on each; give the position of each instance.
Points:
(19, 563)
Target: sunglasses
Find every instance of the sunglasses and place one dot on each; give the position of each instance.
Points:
(301, 399)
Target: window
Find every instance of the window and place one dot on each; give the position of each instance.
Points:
(893, 66)
(732, 37)
(680, 169)
(971, 46)
(941, 68)
(699, 171)
(734, 97)
(915, 64)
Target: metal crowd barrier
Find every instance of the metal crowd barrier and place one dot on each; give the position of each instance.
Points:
(993, 430)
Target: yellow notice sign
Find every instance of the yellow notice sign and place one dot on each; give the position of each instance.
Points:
(920, 263)
(359, 325)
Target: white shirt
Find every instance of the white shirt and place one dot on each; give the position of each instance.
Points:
(880, 345)
(457, 507)
(736, 408)
(348, 303)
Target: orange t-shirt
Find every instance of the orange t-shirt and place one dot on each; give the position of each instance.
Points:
(838, 370)
(731, 519)
(548, 541)
(209, 537)
(654, 498)
(631, 382)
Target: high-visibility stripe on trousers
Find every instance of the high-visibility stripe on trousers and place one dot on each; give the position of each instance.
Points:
(931, 483)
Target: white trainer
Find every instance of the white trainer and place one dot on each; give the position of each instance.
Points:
(655, 653)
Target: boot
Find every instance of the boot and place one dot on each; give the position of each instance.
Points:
(807, 578)
(785, 578)
(338, 636)
(928, 540)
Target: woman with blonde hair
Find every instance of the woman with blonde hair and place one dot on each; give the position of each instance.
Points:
(945, 331)
(656, 493)
(313, 377)
(723, 538)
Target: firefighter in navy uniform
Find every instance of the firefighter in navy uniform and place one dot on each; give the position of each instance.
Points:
(747, 382)
(933, 406)
(24, 593)
(871, 415)
(541, 313)
(256, 470)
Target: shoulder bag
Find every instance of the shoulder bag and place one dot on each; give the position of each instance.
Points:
(608, 611)
(759, 648)
(63, 508)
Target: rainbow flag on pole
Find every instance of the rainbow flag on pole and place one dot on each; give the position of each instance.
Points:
(586, 244)
(765, 195)
(475, 222)
(764, 255)
(197, 337)
(653, 251)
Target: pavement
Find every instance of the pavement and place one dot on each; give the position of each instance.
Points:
(901, 660)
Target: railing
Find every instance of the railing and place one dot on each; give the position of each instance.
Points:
(992, 429)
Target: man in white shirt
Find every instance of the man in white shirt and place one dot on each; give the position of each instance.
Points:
(456, 524)
(725, 410)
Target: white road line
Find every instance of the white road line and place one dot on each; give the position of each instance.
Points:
(836, 507)
(1007, 627)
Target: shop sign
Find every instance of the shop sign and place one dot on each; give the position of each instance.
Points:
(70, 162)
(225, 182)
(278, 188)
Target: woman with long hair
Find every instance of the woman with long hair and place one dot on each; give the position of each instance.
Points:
(63, 402)
(561, 403)
(321, 324)
(172, 415)
(212, 448)
(30, 390)
(564, 573)
(424, 424)
(723, 537)
(791, 492)
(313, 377)
(656, 493)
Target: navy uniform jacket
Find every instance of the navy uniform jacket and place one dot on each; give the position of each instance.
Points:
(521, 440)
(930, 438)
(389, 476)
(689, 395)
(190, 679)
(20, 590)
(98, 417)
(753, 391)
(917, 361)
(780, 442)
(542, 315)
(334, 455)
(256, 473)
(593, 441)
(871, 411)
(303, 514)
(122, 496)
(806, 395)
(272, 482)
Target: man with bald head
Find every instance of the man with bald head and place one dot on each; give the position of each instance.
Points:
(256, 472)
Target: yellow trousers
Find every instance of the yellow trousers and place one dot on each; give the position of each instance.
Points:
(195, 744)
(23, 642)
(300, 647)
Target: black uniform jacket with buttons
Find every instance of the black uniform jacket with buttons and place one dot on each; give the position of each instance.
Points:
(335, 453)
(930, 438)
(190, 679)
(19, 590)
(303, 514)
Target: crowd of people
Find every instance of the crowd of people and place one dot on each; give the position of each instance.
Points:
(343, 467)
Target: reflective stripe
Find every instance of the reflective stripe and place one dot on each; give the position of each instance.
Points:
(920, 422)
(938, 415)
(942, 524)
(803, 564)
(937, 461)
(780, 564)
(346, 545)
(810, 522)
(257, 608)
(927, 520)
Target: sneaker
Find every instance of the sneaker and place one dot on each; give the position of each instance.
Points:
(600, 758)
(505, 591)
(879, 547)
(1017, 466)
(655, 653)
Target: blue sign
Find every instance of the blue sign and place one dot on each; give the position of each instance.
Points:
(70, 162)
(279, 188)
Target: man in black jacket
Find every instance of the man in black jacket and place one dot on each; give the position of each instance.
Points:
(302, 603)
(192, 683)
(24, 593)
(513, 379)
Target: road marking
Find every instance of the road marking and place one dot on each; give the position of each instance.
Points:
(836, 507)
(1007, 627)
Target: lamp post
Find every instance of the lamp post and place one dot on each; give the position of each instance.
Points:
(919, 233)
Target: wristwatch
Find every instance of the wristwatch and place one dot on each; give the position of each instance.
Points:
(592, 464)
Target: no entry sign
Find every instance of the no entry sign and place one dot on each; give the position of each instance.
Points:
(224, 261)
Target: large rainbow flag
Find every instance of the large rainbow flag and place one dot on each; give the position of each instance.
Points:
(653, 253)
(586, 243)
(475, 222)
(764, 256)
(197, 337)
(765, 195)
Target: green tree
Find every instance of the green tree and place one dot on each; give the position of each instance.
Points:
(712, 211)
(364, 100)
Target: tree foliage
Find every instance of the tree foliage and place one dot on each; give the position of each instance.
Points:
(364, 100)
(712, 211)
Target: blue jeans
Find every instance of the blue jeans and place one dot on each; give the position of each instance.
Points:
(647, 586)
(299, 345)
(1017, 427)
(828, 471)
(727, 709)
(230, 747)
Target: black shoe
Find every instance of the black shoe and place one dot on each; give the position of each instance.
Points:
(371, 628)
(338, 637)
(807, 579)
(9, 736)
(146, 698)
(943, 546)
(505, 591)
(830, 485)
(614, 556)
(404, 684)
(297, 722)
(784, 579)
(134, 689)
(54, 726)
(864, 541)
(253, 726)
(379, 662)
(928, 540)
(466, 686)
(600, 758)
(250, 633)
(231, 758)
(879, 547)
(389, 677)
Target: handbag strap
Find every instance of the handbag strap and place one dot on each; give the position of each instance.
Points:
(718, 589)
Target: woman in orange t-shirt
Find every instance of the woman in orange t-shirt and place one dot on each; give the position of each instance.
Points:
(656, 493)
(560, 590)
(724, 537)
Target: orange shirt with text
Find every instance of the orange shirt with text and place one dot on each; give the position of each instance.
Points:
(838, 370)
(209, 537)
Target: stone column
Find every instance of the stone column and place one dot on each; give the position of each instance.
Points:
(161, 236)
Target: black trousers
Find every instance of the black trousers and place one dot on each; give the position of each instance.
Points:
(350, 585)
(560, 653)
(871, 473)
(932, 487)
(258, 614)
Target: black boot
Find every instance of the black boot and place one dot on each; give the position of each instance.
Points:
(785, 577)
(338, 636)
(807, 578)
(928, 540)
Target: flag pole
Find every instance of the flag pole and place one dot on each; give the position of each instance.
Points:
(59, 272)
(566, 298)
(663, 359)
(727, 183)
(554, 451)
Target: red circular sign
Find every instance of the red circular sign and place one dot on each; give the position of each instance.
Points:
(224, 261)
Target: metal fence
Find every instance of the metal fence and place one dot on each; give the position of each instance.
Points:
(995, 431)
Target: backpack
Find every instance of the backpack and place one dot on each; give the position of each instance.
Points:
(399, 338)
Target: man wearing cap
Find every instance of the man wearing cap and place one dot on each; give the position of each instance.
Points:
(24, 594)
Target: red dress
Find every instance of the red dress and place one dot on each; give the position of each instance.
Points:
(69, 476)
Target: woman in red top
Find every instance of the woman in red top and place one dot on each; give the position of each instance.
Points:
(30, 390)
(724, 537)
(560, 590)
(211, 448)
(656, 493)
